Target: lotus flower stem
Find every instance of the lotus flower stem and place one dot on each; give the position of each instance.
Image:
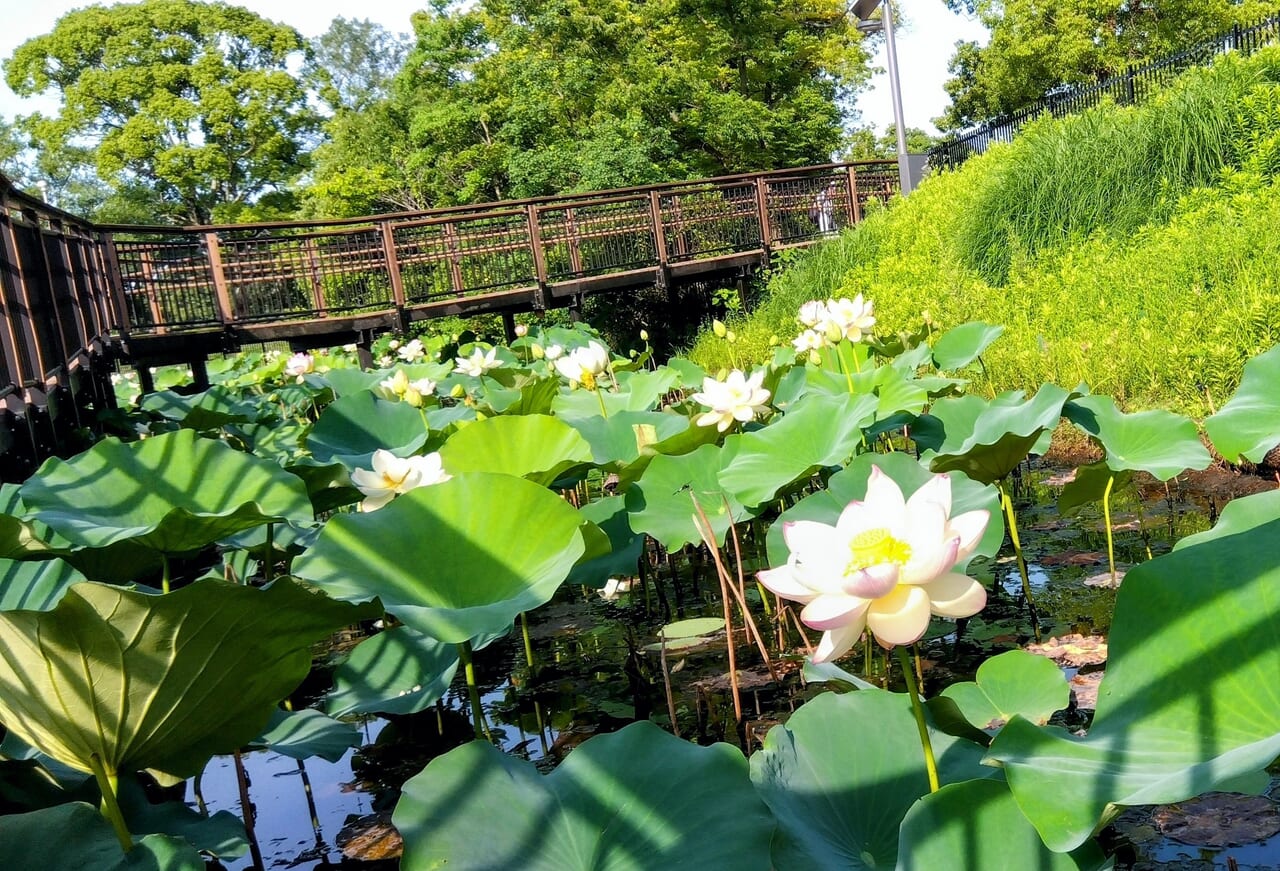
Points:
(107, 784)
(604, 412)
(528, 644)
(740, 591)
(666, 681)
(1007, 504)
(1106, 518)
(473, 692)
(164, 573)
(908, 673)
(311, 802)
(247, 812)
(197, 789)
(269, 561)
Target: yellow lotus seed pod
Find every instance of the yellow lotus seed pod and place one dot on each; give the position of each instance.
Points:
(457, 392)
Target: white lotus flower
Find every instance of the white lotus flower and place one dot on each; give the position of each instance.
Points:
(809, 340)
(554, 352)
(350, 349)
(885, 566)
(412, 350)
(812, 313)
(522, 330)
(394, 388)
(736, 398)
(392, 475)
(849, 318)
(478, 363)
(583, 365)
(299, 365)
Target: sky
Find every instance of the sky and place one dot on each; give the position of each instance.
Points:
(926, 35)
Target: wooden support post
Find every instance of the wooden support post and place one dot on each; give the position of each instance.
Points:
(509, 326)
(9, 324)
(115, 281)
(855, 205)
(313, 270)
(575, 251)
(659, 238)
(22, 288)
(453, 243)
(393, 263)
(762, 212)
(146, 383)
(149, 287)
(533, 218)
(217, 271)
(200, 372)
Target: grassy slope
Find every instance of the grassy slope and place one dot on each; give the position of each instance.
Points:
(1133, 249)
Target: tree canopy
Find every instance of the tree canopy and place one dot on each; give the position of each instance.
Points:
(193, 101)
(512, 98)
(1038, 45)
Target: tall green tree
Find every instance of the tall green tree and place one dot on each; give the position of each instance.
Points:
(193, 101)
(514, 98)
(1038, 45)
(352, 64)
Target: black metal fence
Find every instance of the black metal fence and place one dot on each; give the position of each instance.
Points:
(1135, 85)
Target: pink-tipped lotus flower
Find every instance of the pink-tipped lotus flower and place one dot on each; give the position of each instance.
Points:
(885, 566)
(392, 475)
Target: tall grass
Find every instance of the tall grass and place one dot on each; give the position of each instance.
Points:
(1131, 248)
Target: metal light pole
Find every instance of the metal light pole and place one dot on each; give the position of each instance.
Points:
(862, 11)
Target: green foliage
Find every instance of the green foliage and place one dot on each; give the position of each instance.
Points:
(1038, 46)
(194, 100)
(496, 101)
(1126, 248)
(637, 798)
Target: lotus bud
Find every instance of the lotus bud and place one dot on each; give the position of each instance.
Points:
(833, 333)
(774, 341)
(731, 337)
(815, 358)
(722, 374)
(719, 329)
(521, 330)
(458, 391)
(413, 397)
(538, 351)
(395, 343)
(644, 335)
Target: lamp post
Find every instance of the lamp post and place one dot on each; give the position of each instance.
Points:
(862, 11)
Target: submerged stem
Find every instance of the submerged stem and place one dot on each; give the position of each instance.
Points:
(1012, 521)
(528, 643)
(908, 673)
(473, 692)
(107, 784)
(164, 572)
(1106, 516)
(269, 562)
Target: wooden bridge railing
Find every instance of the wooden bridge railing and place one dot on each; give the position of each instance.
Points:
(532, 253)
(55, 318)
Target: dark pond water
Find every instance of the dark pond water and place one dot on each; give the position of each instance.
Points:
(593, 674)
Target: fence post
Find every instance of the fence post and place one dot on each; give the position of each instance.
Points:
(455, 252)
(221, 294)
(313, 270)
(575, 250)
(659, 229)
(393, 263)
(115, 281)
(534, 221)
(1129, 75)
(855, 207)
(762, 211)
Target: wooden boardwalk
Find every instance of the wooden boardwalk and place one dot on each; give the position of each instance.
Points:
(75, 296)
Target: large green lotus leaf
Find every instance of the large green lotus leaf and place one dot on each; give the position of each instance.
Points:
(660, 504)
(898, 391)
(633, 800)
(533, 446)
(637, 391)
(209, 409)
(621, 439)
(455, 560)
(1248, 425)
(850, 484)
(1089, 486)
(976, 826)
(158, 682)
(346, 382)
(534, 395)
(35, 585)
(960, 346)
(328, 484)
(1238, 516)
(1190, 701)
(689, 372)
(610, 516)
(172, 493)
(1160, 443)
(1015, 682)
(818, 431)
(841, 774)
(986, 440)
(222, 834)
(350, 429)
(306, 733)
(76, 837)
(398, 671)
